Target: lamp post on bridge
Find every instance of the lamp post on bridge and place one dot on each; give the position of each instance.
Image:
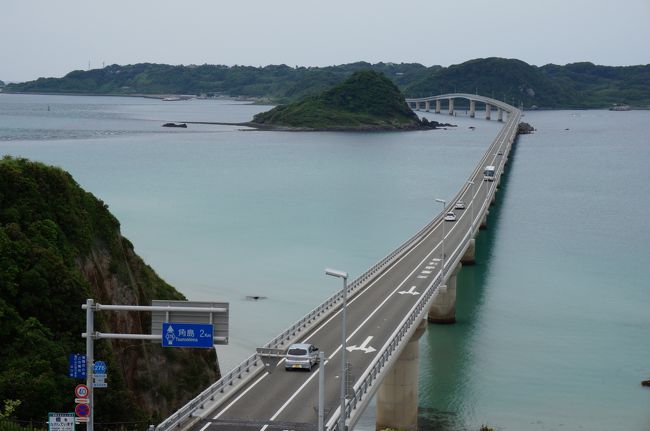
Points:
(344, 276)
(444, 205)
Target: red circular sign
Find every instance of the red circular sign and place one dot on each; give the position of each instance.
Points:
(82, 410)
(81, 391)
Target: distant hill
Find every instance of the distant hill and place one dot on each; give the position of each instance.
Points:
(58, 246)
(277, 82)
(576, 85)
(2, 84)
(367, 100)
(505, 79)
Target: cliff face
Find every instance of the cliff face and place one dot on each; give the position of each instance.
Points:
(58, 246)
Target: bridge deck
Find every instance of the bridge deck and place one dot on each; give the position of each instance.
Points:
(277, 399)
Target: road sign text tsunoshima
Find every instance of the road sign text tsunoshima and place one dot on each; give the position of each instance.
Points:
(187, 335)
(61, 421)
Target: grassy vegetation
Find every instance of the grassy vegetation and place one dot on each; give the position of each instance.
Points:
(366, 99)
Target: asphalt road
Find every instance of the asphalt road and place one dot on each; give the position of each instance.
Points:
(288, 400)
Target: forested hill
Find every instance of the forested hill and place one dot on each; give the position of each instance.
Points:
(58, 246)
(366, 100)
(576, 85)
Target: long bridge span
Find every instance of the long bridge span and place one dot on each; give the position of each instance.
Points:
(387, 310)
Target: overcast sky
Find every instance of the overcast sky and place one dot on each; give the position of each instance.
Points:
(51, 38)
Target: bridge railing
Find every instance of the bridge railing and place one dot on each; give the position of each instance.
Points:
(389, 353)
(253, 365)
(247, 366)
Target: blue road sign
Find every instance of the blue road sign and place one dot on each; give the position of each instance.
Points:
(186, 335)
(99, 367)
(77, 366)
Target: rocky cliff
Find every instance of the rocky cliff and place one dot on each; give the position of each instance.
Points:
(58, 246)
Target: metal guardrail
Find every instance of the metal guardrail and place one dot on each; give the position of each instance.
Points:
(364, 389)
(253, 364)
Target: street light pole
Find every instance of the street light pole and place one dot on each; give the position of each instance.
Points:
(321, 391)
(344, 276)
(444, 205)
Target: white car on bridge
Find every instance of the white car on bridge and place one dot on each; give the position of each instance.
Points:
(301, 356)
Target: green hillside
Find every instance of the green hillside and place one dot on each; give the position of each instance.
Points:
(505, 79)
(58, 246)
(576, 85)
(366, 100)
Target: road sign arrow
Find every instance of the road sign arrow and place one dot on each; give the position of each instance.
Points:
(364, 346)
(411, 291)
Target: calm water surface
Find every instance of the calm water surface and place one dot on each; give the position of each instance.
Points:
(553, 330)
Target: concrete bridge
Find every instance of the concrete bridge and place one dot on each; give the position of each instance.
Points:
(424, 103)
(387, 311)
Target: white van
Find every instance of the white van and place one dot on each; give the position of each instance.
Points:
(488, 173)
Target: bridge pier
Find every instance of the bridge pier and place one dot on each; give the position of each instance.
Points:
(438, 106)
(451, 106)
(397, 397)
(443, 308)
(469, 258)
(483, 224)
(472, 108)
(417, 106)
(488, 111)
(427, 105)
(500, 114)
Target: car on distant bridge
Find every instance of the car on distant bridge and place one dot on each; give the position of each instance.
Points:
(450, 216)
(301, 356)
(460, 205)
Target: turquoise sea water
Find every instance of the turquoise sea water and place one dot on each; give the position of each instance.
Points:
(553, 330)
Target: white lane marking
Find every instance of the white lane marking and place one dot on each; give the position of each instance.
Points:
(366, 289)
(205, 426)
(430, 267)
(426, 272)
(294, 396)
(240, 395)
(411, 291)
(364, 346)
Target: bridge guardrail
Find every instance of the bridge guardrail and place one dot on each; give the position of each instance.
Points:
(363, 389)
(254, 365)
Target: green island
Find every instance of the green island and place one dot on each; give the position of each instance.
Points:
(581, 85)
(58, 246)
(366, 101)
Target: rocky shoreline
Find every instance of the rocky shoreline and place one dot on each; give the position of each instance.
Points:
(423, 125)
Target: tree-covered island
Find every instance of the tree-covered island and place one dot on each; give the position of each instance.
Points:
(366, 101)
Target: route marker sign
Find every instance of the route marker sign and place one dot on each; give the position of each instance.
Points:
(61, 421)
(99, 367)
(77, 366)
(187, 335)
(81, 391)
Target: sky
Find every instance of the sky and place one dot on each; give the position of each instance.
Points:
(51, 38)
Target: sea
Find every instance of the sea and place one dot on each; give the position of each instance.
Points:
(553, 321)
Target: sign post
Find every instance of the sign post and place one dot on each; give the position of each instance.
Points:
(206, 325)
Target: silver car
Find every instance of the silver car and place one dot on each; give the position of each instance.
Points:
(302, 356)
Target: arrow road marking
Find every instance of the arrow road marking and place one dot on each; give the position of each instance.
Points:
(411, 291)
(364, 346)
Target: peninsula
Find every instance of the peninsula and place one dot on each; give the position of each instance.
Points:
(366, 101)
